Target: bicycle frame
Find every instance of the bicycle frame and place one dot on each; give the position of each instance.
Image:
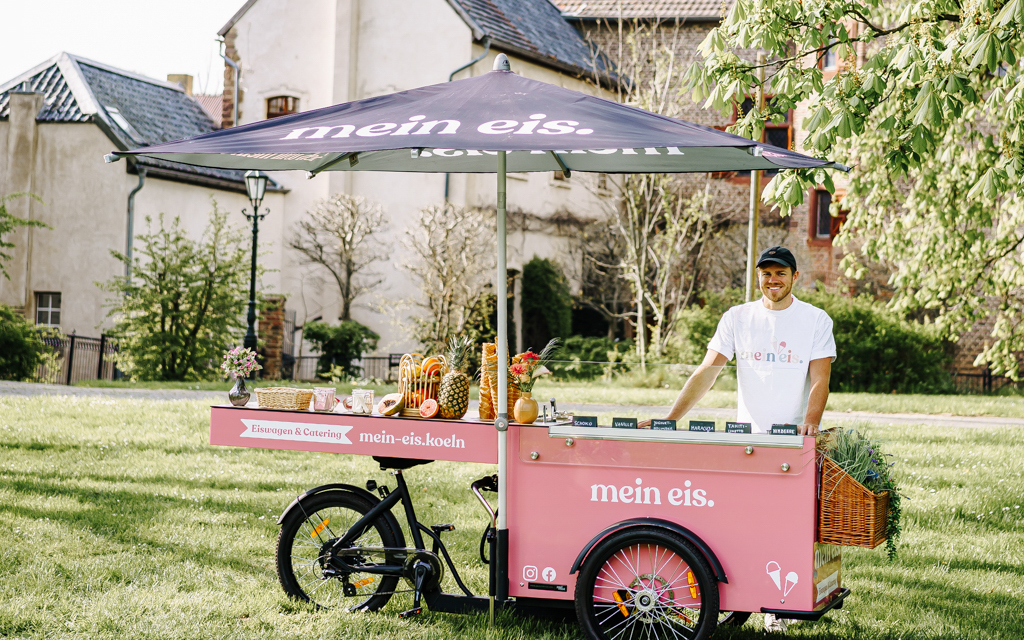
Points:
(436, 599)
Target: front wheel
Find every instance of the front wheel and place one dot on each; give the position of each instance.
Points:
(648, 584)
(306, 554)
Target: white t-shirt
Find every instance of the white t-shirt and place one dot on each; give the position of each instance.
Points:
(773, 350)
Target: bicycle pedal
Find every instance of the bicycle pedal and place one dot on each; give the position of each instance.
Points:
(438, 528)
(415, 611)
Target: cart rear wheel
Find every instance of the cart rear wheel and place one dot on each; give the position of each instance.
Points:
(646, 584)
(305, 551)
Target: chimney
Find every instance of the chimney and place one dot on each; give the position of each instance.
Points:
(183, 80)
(21, 149)
(228, 103)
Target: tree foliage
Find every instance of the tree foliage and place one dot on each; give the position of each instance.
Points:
(927, 106)
(10, 222)
(343, 235)
(183, 307)
(546, 303)
(662, 221)
(21, 346)
(450, 258)
(341, 345)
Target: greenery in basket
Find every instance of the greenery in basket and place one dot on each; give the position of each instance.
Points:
(868, 465)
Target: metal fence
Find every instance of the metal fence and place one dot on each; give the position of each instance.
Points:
(79, 358)
(983, 382)
(379, 367)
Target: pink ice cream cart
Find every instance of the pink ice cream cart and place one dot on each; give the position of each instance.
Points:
(659, 534)
(642, 533)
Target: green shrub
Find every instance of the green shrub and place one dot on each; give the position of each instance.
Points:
(572, 359)
(184, 304)
(340, 345)
(877, 351)
(21, 348)
(546, 303)
(880, 353)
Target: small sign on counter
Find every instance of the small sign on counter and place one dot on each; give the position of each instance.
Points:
(783, 430)
(624, 423)
(703, 426)
(584, 421)
(663, 425)
(737, 427)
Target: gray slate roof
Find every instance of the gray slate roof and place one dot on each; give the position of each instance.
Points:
(133, 111)
(533, 28)
(665, 9)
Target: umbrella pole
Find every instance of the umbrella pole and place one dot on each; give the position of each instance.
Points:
(502, 401)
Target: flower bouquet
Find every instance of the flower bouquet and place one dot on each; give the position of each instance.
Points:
(239, 362)
(525, 369)
(860, 501)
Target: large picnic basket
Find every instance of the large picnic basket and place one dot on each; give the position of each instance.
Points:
(849, 514)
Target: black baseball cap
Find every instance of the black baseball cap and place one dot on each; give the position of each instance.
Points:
(778, 255)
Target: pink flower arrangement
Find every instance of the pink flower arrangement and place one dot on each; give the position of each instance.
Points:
(531, 366)
(240, 362)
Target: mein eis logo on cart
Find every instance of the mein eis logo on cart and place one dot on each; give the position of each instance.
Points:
(639, 493)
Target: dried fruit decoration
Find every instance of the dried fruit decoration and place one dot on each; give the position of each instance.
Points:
(453, 397)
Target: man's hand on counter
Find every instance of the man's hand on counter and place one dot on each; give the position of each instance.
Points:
(807, 429)
(643, 424)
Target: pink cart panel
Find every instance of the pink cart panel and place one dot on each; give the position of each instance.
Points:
(454, 440)
(567, 484)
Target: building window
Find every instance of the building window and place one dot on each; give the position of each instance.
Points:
(281, 106)
(777, 134)
(823, 219)
(824, 226)
(830, 61)
(48, 309)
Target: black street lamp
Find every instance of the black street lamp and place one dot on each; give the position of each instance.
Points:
(256, 187)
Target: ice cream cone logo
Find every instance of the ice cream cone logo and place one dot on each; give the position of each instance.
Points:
(775, 572)
(791, 580)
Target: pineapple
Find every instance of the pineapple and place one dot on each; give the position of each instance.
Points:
(453, 398)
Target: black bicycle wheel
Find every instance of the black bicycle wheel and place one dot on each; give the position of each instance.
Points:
(648, 584)
(305, 550)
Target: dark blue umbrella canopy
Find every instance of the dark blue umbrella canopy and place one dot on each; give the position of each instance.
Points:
(458, 127)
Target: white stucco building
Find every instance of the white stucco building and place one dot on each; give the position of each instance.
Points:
(59, 119)
(307, 54)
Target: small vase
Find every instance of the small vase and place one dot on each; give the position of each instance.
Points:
(526, 409)
(239, 395)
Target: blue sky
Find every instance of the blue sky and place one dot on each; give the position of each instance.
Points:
(151, 37)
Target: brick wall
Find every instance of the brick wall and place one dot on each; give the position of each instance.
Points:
(228, 103)
(271, 332)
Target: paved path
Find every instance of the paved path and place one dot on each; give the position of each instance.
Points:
(32, 389)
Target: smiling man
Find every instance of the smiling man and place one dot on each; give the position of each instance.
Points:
(784, 350)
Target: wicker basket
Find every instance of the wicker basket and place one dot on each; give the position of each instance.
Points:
(284, 398)
(415, 388)
(849, 514)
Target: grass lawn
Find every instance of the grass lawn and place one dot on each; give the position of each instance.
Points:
(118, 520)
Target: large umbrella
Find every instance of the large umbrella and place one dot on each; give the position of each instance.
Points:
(492, 123)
